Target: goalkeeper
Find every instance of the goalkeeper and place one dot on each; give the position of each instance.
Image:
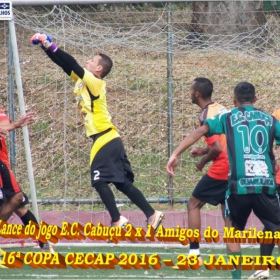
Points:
(108, 160)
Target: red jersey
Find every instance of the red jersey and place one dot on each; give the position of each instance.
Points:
(220, 168)
(3, 147)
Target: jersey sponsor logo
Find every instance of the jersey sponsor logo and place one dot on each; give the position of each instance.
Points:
(81, 85)
(246, 182)
(256, 168)
(250, 116)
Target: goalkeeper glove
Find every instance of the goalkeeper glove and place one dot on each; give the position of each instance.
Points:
(44, 40)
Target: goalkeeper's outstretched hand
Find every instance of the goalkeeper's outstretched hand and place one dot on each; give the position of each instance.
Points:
(44, 40)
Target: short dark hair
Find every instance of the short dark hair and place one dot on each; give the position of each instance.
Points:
(106, 63)
(204, 86)
(244, 92)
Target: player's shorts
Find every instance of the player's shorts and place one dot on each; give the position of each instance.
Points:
(211, 190)
(110, 163)
(265, 206)
(9, 183)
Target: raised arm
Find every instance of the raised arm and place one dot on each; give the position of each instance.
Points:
(58, 56)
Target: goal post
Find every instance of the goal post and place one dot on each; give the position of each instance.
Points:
(22, 109)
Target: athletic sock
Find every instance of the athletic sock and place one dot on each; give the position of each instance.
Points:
(266, 249)
(236, 273)
(194, 248)
(194, 252)
(26, 218)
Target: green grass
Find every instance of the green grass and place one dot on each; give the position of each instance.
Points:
(164, 272)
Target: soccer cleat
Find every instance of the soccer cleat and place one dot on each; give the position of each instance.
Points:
(155, 219)
(260, 274)
(48, 248)
(122, 222)
(200, 263)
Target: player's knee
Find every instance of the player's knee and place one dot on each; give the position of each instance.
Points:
(99, 185)
(21, 211)
(194, 203)
(16, 199)
(125, 188)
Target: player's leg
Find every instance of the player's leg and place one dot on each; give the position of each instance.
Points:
(26, 216)
(267, 209)
(208, 190)
(2, 201)
(154, 217)
(194, 222)
(103, 172)
(12, 192)
(231, 246)
(108, 199)
(109, 164)
(265, 250)
(238, 209)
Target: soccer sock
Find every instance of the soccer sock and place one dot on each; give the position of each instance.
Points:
(266, 249)
(194, 248)
(236, 273)
(108, 199)
(28, 216)
(136, 197)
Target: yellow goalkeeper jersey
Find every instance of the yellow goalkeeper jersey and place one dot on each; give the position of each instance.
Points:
(90, 95)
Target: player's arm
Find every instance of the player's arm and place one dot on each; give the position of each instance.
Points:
(23, 121)
(214, 151)
(199, 152)
(67, 62)
(193, 137)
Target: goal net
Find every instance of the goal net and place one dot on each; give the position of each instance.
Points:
(140, 38)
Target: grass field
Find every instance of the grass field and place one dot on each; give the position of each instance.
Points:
(164, 272)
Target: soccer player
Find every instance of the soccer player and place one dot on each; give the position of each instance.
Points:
(265, 249)
(108, 160)
(250, 134)
(213, 185)
(11, 188)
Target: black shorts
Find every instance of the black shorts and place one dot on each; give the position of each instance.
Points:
(8, 181)
(211, 190)
(265, 206)
(111, 164)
